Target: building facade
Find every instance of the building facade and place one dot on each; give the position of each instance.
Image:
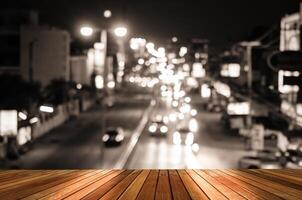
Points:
(45, 54)
(290, 32)
(10, 23)
(80, 71)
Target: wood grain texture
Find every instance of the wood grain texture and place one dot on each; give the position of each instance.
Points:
(163, 190)
(193, 189)
(148, 190)
(179, 191)
(151, 184)
(132, 191)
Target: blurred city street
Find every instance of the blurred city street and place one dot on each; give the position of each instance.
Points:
(150, 85)
(77, 143)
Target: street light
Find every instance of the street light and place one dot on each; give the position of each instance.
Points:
(86, 31)
(46, 109)
(107, 13)
(120, 31)
(174, 39)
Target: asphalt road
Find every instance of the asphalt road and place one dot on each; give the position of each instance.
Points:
(77, 143)
(217, 148)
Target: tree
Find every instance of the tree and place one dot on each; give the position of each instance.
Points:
(17, 93)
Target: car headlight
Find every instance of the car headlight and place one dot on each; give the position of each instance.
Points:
(119, 138)
(105, 138)
(166, 119)
(187, 99)
(175, 104)
(163, 129)
(152, 129)
(193, 112)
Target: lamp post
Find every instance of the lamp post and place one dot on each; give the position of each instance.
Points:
(120, 32)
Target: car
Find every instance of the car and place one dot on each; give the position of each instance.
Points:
(183, 136)
(294, 156)
(113, 137)
(265, 159)
(158, 126)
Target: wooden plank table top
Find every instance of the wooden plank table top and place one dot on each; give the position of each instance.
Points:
(151, 184)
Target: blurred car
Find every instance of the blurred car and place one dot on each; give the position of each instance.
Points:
(294, 156)
(183, 135)
(233, 122)
(214, 107)
(263, 160)
(158, 127)
(113, 137)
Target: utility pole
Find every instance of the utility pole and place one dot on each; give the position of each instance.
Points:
(105, 77)
(31, 61)
(249, 48)
(300, 26)
(104, 41)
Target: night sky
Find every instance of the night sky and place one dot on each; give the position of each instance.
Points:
(218, 20)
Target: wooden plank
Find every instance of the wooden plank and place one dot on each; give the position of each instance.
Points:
(17, 174)
(148, 190)
(267, 185)
(151, 184)
(135, 187)
(234, 186)
(101, 191)
(31, 186)
(287, 174)
(195, 192)
(259, 193)
(4, 173)
(275, 188)
(230, 194)
(117, 190)
(277, 179)
(210, 191)
(178, 189)
(69, 190)
(293, 178)
(23, 180)
(62, 186)
(91, 187)
(292, 172)
(163, 190)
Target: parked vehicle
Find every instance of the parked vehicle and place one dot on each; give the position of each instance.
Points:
(263, 160)
(294, 156)
(270, 159)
